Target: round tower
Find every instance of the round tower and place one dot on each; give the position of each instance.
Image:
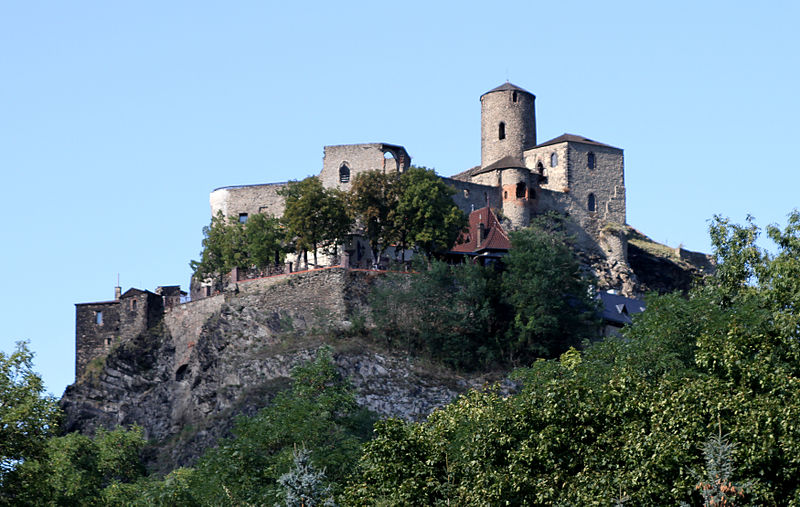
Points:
(508, 123)
(518, 195)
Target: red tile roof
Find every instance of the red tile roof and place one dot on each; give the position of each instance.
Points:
(495, 238)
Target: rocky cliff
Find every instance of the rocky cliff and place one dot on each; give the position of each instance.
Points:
(184, 379)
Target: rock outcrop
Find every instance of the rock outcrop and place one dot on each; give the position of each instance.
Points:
(183, 380)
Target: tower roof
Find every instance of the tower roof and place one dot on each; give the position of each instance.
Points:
(508, 87)
(572, 138)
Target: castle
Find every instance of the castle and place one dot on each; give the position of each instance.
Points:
(571, 175)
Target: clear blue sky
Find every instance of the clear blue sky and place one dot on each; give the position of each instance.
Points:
(116, 121)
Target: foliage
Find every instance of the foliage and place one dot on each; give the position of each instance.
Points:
(229, 244)
(626, 419)
(264, 240)
(318, 413)
(316, 217)
(425, 216)
(373, 196)
(449, 313)
(716, 485)
(552, 297)
(224, 248)
(304, 484)
(77, 470)
(27, 416)
(468, 316)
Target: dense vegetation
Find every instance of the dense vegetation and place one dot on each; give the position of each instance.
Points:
(697, 402)
(536, 304)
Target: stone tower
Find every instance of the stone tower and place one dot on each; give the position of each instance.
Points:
(508, 123)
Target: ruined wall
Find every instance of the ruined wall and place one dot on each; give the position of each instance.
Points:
(249, 199)
(185, 322)
(359, 158)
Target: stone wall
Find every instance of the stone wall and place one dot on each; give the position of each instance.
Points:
(249, 199)
(94, 335)
(556, 177)
(360, 158)
(572, 177)
(519, 124)
(472, 196)
(185, 322)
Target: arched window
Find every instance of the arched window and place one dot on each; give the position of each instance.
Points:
(591, 203)
(514, 97)
(553, 159)
(590, 160)
(521, 190)
(344, 174)
(502, 131)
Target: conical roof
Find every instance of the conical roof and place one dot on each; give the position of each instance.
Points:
(507, 87)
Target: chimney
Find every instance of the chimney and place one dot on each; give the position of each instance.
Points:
(117, 292)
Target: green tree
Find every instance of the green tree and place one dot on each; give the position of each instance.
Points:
(75, 469)
(314, 216)
(264, 240)
(425, 216)
(318, 412)
(373, 196)
(27, 416)
(224, 248)
(627, 418)
(449, 313)
(551, 295)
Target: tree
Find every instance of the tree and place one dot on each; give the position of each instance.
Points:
(551, 295)
(449, 313)
(315, 216)
(27, 416)
(264, 240)
(75, 469)
(318, 412)
(627, 418)
(373, 196)
(304, 484)
(224, 248)
(425, 215)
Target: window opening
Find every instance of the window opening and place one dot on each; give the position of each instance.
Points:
(133, 305)
(98, 318)
(590, 160)
(514, 97)
(553, 159)
(344, 174)
(591, 204)
(505, 195)
(108, 341)
(502, 131)
(466, 193)
(521, 190)
(242, 218)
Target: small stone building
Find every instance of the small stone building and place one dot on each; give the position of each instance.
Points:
(101, 325)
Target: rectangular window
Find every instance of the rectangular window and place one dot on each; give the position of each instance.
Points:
(242, 218)
(98, 318)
